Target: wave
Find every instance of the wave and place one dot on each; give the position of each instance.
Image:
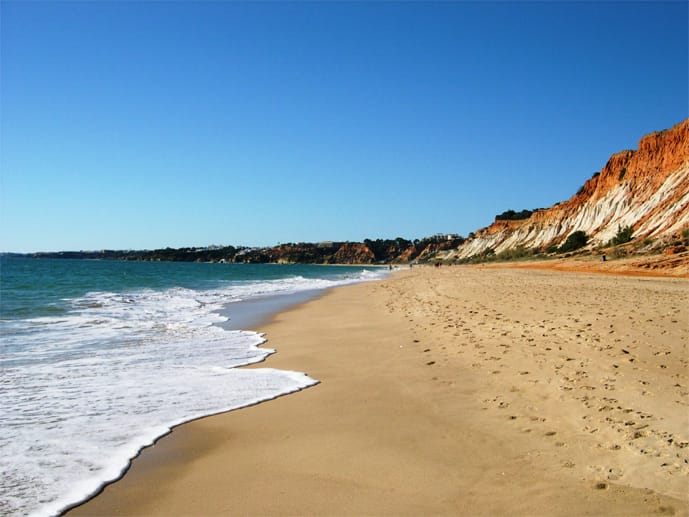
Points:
(84, 391)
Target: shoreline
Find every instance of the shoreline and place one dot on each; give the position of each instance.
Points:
(410, 417)
(244, 315)
(254, 313)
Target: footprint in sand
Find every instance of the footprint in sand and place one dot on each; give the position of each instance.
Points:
(614, 474)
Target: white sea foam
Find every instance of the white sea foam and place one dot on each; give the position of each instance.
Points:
(82, 393)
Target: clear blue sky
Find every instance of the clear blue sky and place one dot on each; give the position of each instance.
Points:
(153, 124)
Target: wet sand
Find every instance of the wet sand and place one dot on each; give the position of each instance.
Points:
(449, 391)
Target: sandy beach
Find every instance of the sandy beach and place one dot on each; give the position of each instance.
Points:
(449, 391)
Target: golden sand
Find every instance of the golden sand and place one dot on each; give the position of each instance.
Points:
(449, 391)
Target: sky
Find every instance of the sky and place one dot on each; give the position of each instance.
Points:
(141, 125)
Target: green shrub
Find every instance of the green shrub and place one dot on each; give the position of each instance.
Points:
(618, 253)
(515, 253)
(576, 240)
(511, 215)
(624, 234)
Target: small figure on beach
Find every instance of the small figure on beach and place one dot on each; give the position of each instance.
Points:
(603, 257)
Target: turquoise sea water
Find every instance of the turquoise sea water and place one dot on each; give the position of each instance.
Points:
(99, 358)
(37, 287)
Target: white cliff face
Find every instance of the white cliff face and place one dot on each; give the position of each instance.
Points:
(667, 213)
(646, 189)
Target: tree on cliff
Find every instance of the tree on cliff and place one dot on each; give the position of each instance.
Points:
(511, 215)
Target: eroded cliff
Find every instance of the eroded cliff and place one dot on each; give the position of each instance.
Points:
(647, 189)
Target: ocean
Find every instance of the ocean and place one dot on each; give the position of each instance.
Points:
(101, 358)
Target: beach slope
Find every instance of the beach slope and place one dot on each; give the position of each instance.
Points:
(449, 391)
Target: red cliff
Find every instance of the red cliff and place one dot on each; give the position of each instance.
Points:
(647, 189)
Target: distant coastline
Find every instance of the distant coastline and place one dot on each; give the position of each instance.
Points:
(379, 251)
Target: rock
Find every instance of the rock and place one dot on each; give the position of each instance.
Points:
(353, 253)
(673, 250)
